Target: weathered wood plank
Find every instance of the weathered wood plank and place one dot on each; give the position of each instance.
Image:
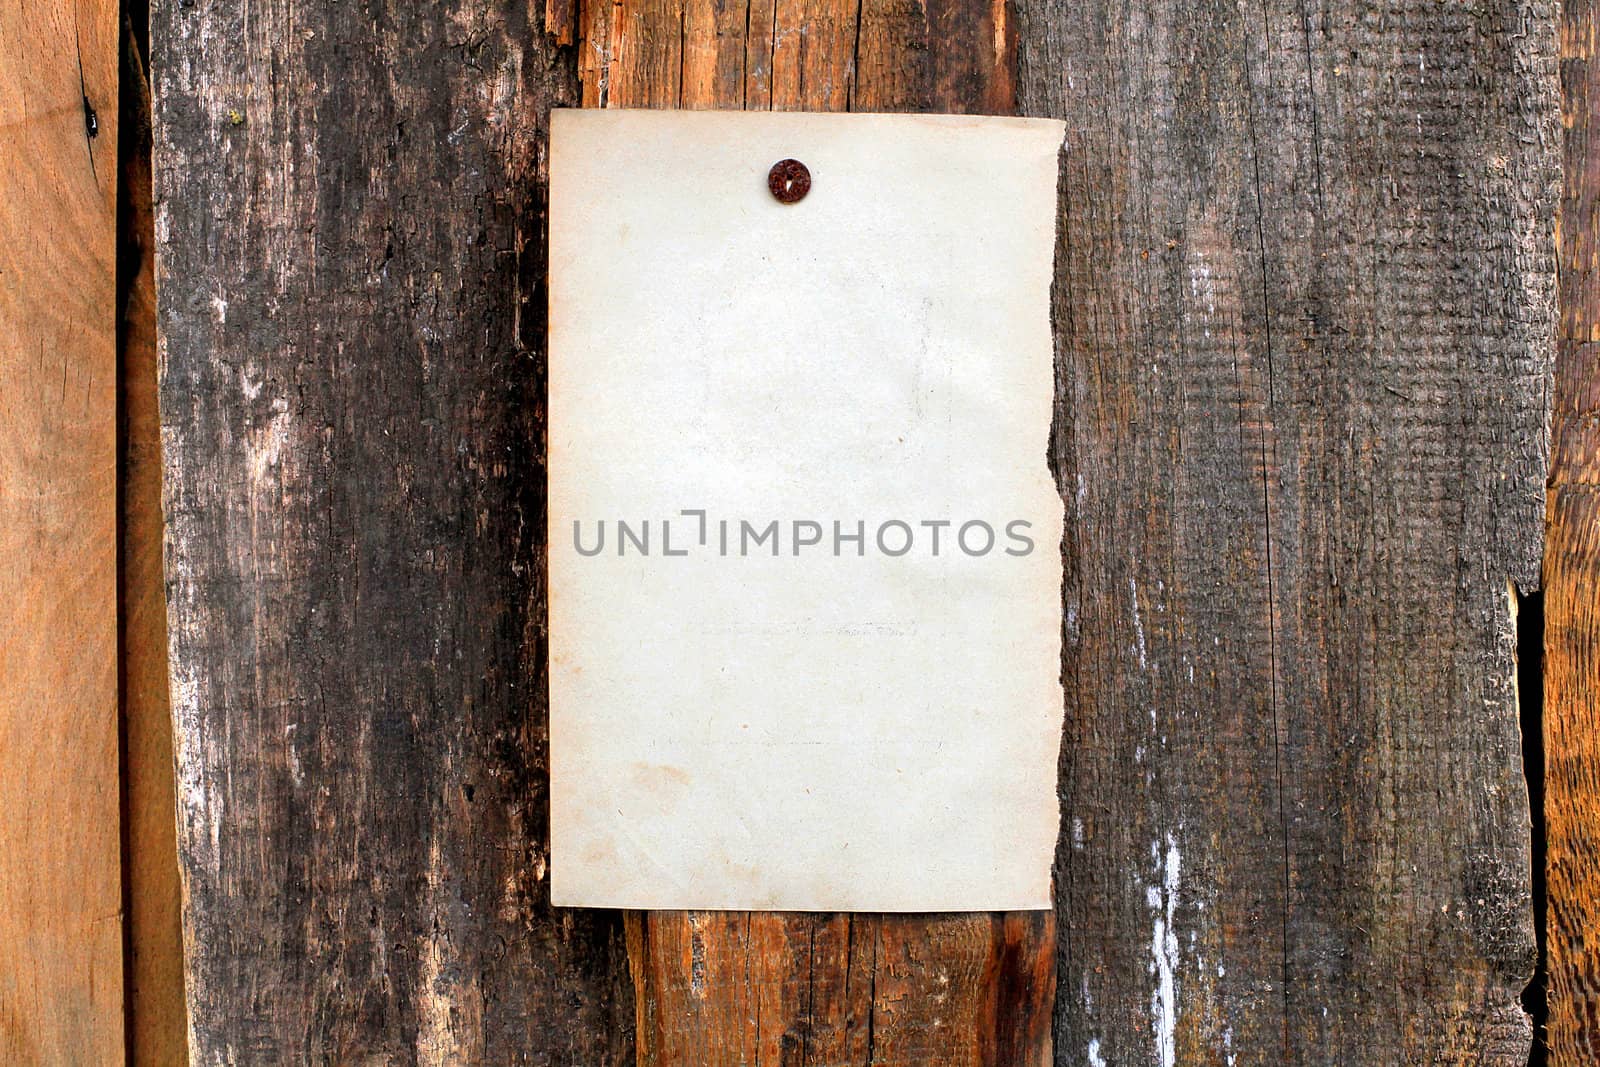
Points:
(729, 988)
(60, 880)
(152, 896)
(769, 988)
(1305, 315)
(1572, 576)
(1301, 349)
(350, 213)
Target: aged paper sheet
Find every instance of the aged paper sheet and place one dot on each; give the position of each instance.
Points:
(804, 567)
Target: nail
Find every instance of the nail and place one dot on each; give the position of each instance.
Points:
(789, 181)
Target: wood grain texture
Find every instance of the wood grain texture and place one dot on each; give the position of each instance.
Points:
(773, 988)
(60, 881)
(1572, 575)
(350, 221)
(1305, 307)
(956, 56)
(749, 988)
(152, 897)
(1305, 300)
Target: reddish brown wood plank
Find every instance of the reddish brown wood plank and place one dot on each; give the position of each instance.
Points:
(156, 1015)
(1572, 575)
(60, 884)
(732, 988)
(765, 988)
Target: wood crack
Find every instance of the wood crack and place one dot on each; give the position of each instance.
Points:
(1268, 465)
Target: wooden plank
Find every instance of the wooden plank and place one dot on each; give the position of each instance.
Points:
(1572, 576)
(1305, 316)
(152, 896)
(60, 880)
(767, 988)
(350, 275)
(754, 988)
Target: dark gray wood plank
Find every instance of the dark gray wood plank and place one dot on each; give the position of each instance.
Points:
(1305, 299)
(350, 221)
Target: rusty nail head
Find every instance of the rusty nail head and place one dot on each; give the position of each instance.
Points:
(789, 180)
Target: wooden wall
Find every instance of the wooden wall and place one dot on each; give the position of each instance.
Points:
(1306, 306)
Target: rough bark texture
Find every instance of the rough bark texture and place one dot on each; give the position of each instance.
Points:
(766, 988)
(151, 895)
(60, 888)
(1572, 577)
(1305, 306)
(350, 213)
